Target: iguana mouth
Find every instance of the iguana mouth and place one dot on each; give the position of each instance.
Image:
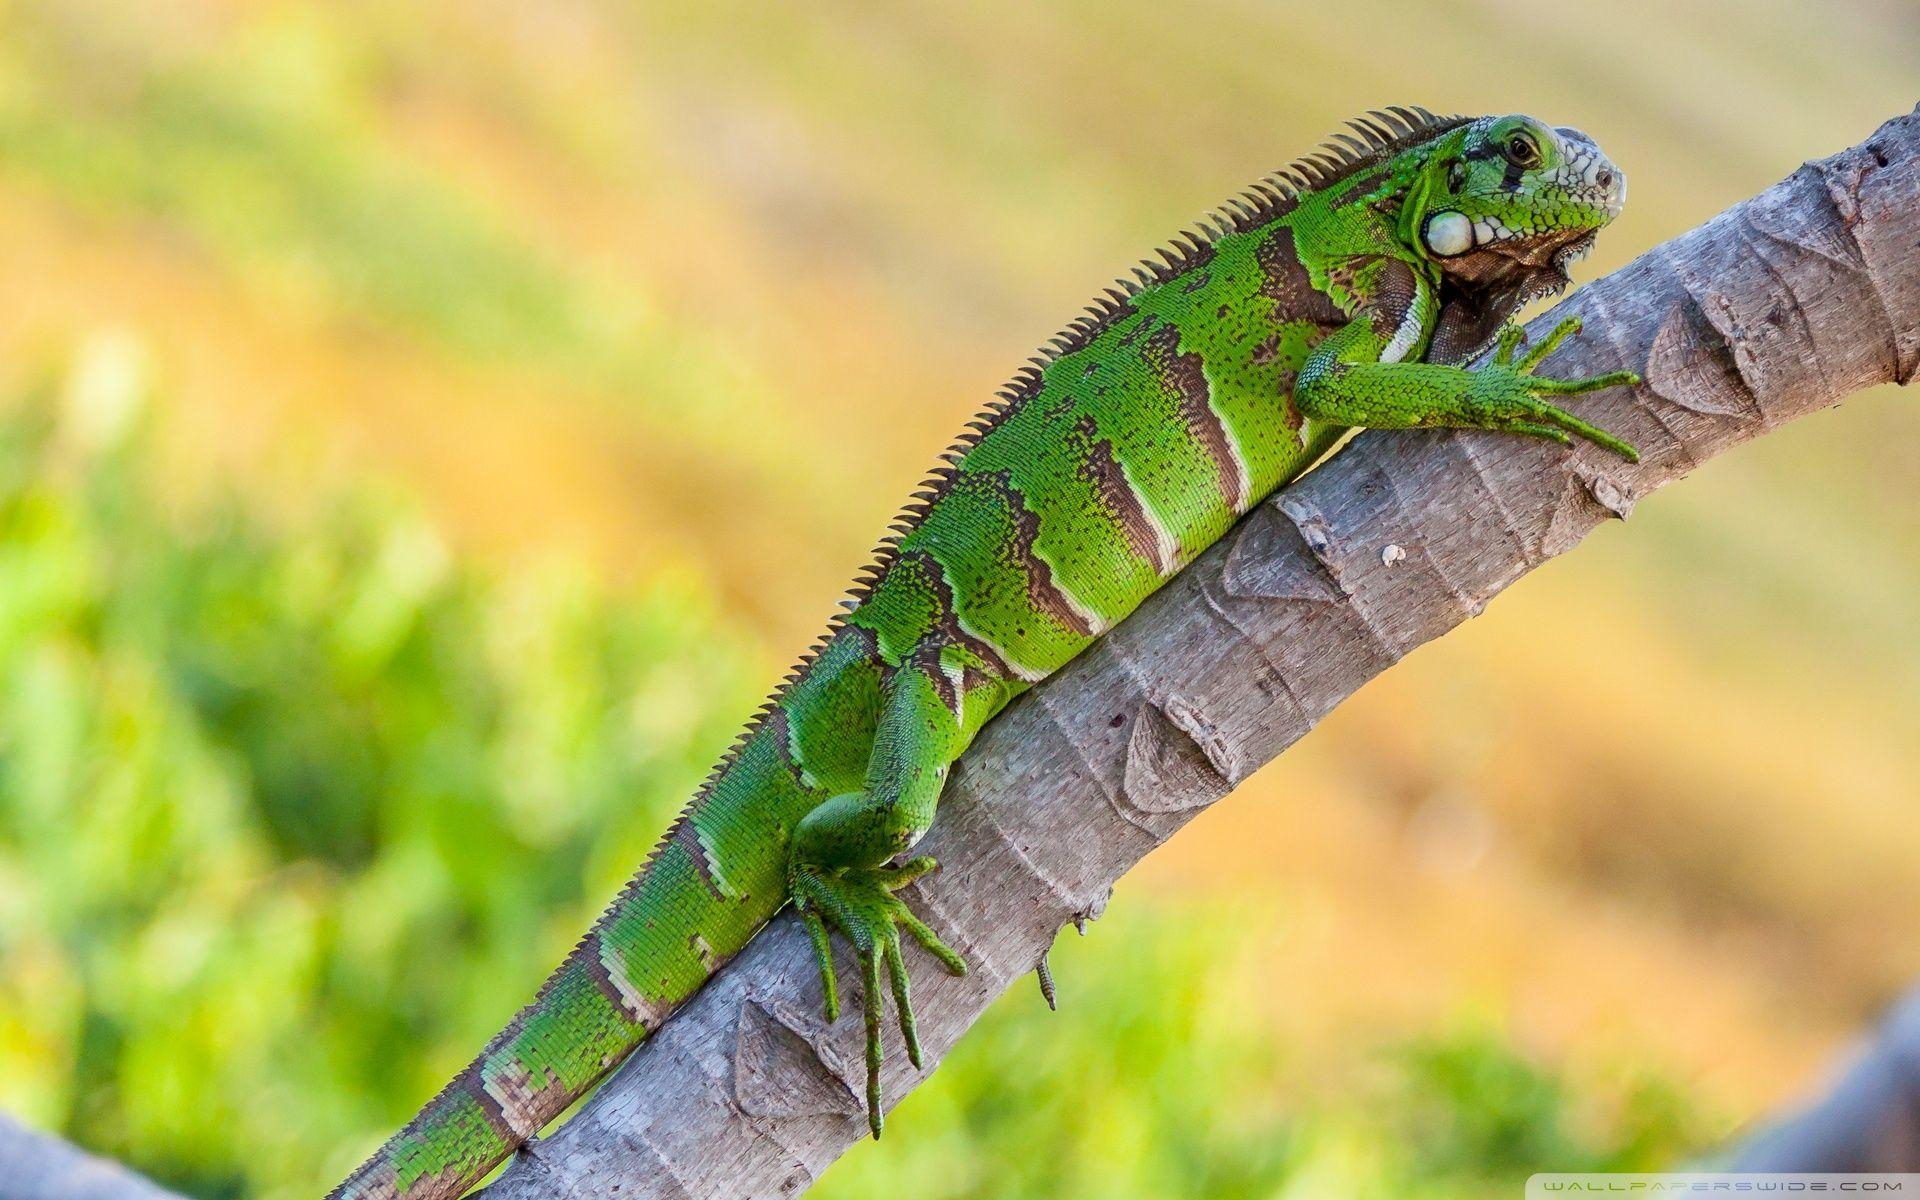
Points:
(1576, 249)
(1556, 278)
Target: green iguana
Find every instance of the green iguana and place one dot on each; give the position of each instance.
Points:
(1334, 294)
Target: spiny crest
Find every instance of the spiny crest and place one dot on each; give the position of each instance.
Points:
(760, 717)
(1376, 137)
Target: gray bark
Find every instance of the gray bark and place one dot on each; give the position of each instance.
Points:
(34, 1166)
(1869, 1121)
(1776, 308)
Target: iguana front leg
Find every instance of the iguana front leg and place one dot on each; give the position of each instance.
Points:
(1345, 382)
(838, 872)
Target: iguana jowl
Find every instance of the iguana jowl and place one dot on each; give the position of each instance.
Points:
(1335, 294)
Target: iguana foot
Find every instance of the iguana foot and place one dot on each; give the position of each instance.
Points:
(1507, 395)
(859, 902)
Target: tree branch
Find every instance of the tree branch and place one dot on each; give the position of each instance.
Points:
(41, 1167)
(1778, 307)
(1869, 1121)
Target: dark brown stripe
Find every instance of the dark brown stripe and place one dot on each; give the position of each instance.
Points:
(868, 650)
(530, 1105)
(1144, 326)
(684, 835)
(473, 1085)
(593, 962)
(1187, 375)
(1117, 496)
(950, 632)
(1394, 291)
(1042, 591)
(926, 660)
(1285, 282)
(780, 726)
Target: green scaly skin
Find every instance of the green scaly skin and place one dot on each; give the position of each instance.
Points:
(1336, 294)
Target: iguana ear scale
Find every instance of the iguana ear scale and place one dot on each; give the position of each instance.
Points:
(1447, 234)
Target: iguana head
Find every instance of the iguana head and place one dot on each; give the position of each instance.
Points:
(1515, 188)
(1502, 206)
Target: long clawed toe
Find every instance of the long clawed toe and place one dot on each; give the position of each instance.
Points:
(860, 903)
(1537, 417)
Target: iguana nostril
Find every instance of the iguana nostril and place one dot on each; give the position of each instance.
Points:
(1604, 179)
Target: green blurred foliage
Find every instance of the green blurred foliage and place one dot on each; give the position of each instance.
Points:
(291, 818)
(1158, 1078)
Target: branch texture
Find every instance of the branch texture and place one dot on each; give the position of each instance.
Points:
(1778, 307)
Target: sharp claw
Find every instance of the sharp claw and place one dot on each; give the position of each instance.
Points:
(1576, 387)
(1593, 433)
(1045, 974)
(1610, 380)
(1623, 449)
(931, 941)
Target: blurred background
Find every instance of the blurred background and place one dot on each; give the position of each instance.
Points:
(427, 430)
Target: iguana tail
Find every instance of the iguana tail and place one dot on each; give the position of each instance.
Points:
(586, 1018)
(528, 1074)
(665, 935)
(713, 881)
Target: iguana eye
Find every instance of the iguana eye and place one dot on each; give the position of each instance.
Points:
(1521, 150)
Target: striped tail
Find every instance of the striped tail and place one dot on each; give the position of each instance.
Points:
(678, 921)
(556, 1049)
(666, 934)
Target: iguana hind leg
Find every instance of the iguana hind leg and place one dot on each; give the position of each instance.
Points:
(839, 874)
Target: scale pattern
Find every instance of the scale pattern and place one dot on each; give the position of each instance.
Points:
(1135, 440)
